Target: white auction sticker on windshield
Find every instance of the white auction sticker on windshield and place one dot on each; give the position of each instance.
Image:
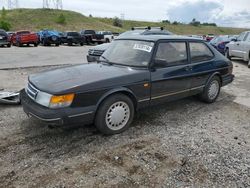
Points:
(143, 47)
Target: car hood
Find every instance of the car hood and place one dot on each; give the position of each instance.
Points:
(86, 77)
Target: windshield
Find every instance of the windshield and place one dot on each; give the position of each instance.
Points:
(129, 53)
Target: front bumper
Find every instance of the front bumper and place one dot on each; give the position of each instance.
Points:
(92, 58)
(4, 42)
(227, 79)
(84, 115)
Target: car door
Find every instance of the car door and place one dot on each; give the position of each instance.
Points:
(237, 47)
(202, 65)
(245, 47)
(170, 72)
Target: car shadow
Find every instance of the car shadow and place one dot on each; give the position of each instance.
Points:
(240, 61)
(55, 141)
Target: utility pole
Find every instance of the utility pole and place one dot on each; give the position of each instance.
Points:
(57, 4)
(13, 4)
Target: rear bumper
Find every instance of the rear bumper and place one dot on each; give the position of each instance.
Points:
(92, 58)
(227, 79)
(84, 115)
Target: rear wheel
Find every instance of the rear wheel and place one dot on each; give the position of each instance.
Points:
(211, 90)
(81, 44)
(107, 41)
(9, 45)
(227, 54)
(115, 114)
(35, 44)
(249, 63)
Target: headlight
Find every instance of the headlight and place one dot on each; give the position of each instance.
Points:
(61, 101)
(43, 98)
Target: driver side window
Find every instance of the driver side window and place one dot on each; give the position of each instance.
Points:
(170, 54)
(241, 37)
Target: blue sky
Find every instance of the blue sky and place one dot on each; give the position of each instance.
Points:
(224, 12)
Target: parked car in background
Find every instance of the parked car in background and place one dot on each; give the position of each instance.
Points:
(103, 37)
(4, 39)
(72, 37)
(20, 38)
(135, 72)
(209, 37)
(95, 52)
(10, 33)
(219, 42)
(88, 35)
(48, 37)
(240, 47)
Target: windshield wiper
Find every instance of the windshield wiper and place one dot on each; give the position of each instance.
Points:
(105, 60)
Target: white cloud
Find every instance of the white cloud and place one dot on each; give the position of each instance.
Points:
(223, 12)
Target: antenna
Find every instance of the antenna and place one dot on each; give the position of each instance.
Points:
(12, 4)
(57, 4)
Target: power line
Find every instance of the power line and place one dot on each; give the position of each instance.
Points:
(12, 4)
(57, 4)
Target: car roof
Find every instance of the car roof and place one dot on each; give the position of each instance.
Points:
(155, 38)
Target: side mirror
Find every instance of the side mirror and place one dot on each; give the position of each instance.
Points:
(234, 40)
(160, 63)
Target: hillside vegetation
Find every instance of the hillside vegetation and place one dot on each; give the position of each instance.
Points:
(37, 19)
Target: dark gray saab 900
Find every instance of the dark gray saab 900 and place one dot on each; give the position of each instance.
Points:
(135, 72)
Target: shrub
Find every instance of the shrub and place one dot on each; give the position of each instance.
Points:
(61, 19)
(117, 22)
(5, 25)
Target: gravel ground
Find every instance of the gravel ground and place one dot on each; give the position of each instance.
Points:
(179, 144)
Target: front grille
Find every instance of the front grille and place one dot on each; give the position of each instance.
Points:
(31, 91)
(95, 52)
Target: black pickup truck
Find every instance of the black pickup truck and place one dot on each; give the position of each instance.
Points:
(88, 35)
(71, 38)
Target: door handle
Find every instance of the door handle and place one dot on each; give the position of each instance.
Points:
(238, 44)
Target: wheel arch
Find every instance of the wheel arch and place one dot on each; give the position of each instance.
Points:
(120, 90)
(213, 75)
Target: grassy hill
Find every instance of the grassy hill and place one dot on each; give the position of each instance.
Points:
(37, 19)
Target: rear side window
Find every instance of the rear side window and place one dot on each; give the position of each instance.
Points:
(172, 53)
(200, 52)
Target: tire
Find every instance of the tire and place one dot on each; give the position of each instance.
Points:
(19, 44)
(249, 63)
(227, 54)
(70, 43)
(107, 41)
(8, 45)
(81, 44)
(35, 44)
(122, 108)
(211, 90)
(57, 44)
(44, 42)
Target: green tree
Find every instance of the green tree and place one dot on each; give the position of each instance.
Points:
(3, 13)
(4, 24)
(61, 19)
(117, 22)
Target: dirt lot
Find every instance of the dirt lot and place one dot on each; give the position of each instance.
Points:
(180, 144)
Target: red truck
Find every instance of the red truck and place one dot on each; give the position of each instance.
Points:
(20, 38)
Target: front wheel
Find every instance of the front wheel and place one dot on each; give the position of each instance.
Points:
(211, 90)
(115, 114)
